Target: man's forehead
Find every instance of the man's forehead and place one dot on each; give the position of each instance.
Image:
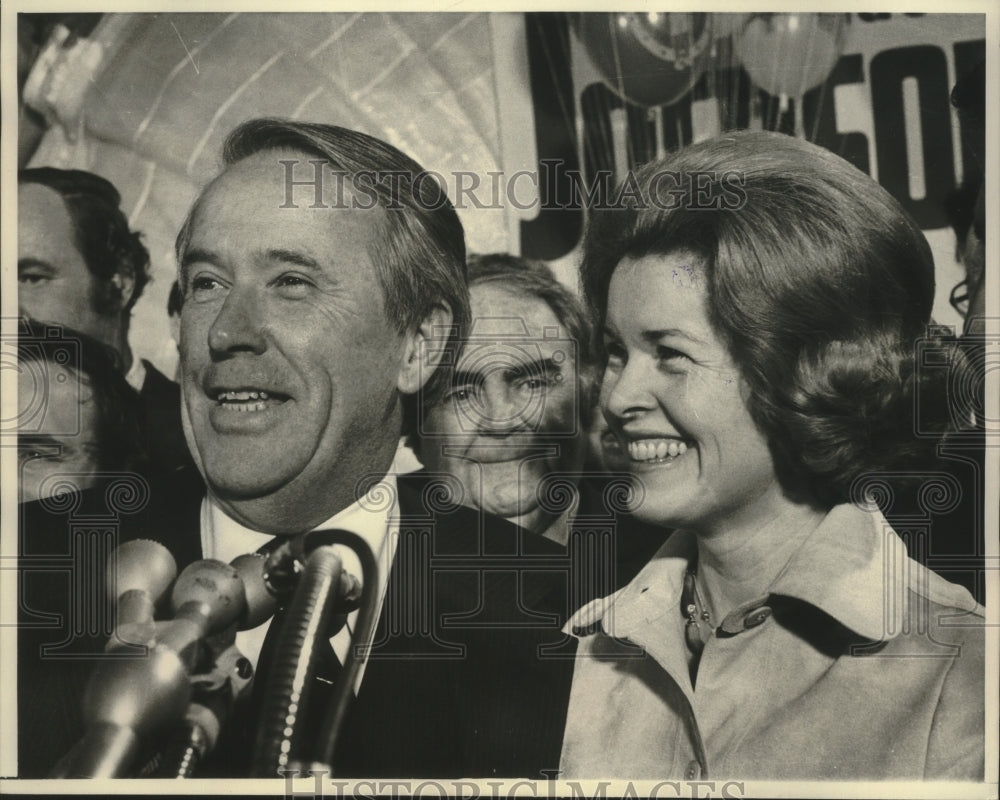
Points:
(298, 180)
(249, 205)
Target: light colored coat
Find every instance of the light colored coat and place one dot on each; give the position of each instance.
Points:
(858, 664)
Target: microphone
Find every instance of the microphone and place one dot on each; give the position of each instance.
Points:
(129, 699)
(207, 598)
(261, 603)
(215, 692)
(137, 577)
(126, 700)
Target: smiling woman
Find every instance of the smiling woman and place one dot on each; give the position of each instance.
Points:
(759, 369)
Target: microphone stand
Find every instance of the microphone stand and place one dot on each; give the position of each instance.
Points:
(317, 600)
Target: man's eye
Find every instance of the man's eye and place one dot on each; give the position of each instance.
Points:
(293, 286)
(535, 382)
(202, 286)
(32, 278)
(36, 453)
(462, 394)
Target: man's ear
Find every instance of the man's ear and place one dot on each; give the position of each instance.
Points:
(122, 289)
(424, 349)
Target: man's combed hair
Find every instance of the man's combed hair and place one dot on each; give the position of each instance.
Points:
(419, 256)
(818, 282)
(103, 237)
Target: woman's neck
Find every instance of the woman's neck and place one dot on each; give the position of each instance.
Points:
(739, 561)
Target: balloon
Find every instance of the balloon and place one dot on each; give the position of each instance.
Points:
(789, 54)
(648, 58)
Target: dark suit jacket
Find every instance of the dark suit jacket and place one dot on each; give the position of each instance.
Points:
(470, 673)
(160, 422)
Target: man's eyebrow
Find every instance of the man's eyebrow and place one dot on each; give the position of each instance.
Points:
(654, 336)
(38, 440)
(538, 366)
(292, 257)
(196, 255)
(28, 263)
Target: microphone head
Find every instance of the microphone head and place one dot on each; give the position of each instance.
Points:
(143, 692)
(260, 603)
(212, 591)
(143, 565)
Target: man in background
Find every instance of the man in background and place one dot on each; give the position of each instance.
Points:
(77, 417)
(81, 266)
(316, 305)
(513, 428)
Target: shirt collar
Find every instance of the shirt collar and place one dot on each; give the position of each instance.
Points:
(853, 567)
(224, 538)
(136, 375)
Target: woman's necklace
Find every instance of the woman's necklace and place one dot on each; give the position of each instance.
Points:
(698, 628)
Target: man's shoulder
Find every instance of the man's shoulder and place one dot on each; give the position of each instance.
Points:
(157, 383)
(132, 506)
(432, 501)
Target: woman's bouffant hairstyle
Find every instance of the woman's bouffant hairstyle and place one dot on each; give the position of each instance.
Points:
(818, 282)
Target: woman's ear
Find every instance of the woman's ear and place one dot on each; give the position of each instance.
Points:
(424, 349)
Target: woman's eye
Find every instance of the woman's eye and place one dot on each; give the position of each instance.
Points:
(669, 354)
(615, 352)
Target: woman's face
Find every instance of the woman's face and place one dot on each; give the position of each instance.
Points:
(674, 398)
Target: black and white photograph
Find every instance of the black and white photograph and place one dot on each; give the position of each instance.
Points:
(497, 402)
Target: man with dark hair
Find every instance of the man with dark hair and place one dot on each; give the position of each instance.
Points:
(80, 265)
(78, 420)
(323, 286)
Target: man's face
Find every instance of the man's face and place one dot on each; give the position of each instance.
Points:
(289, 366)
(54, 283)
(58, 435)
(511, 417)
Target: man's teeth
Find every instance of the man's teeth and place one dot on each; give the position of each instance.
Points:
(242, 396)
(244, 400)
(656, 449)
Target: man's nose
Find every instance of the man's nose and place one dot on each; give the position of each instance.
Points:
(504, 410)
(239, 325)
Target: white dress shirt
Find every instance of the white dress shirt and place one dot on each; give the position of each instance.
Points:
(136, 375)
(372, 518)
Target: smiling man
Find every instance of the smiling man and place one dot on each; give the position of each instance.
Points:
(515, 412)
(319, 302)
(513, 428)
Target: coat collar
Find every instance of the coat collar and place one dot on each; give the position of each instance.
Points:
(853, 567)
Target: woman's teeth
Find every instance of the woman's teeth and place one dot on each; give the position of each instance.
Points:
(656, 449)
